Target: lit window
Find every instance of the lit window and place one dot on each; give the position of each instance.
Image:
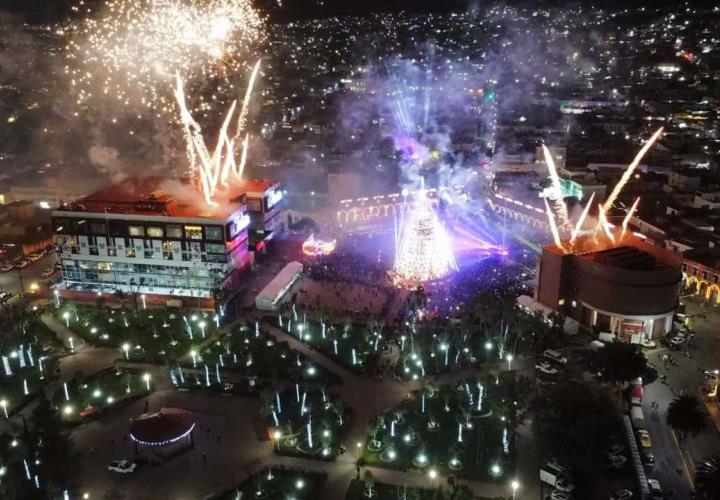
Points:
(574, 304)
(136, 231)
(155, 232)
(561, 302)
(174, 231)
(213, 233)
(193, 232)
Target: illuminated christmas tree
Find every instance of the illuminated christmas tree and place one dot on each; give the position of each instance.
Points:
(424, 252)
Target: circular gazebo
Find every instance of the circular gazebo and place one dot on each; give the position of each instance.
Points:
(163, 433)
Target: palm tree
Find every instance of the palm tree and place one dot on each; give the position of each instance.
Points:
(686, 414)
(707, 478)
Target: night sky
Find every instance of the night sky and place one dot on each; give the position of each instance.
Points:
(54, 10)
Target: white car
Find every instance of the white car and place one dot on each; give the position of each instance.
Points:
(546, 368)
(655, 489)
(47, 273)
(650, 344)
(7, 267)
(621, 495)
(711, 375)
(122, 466)
(678, 340)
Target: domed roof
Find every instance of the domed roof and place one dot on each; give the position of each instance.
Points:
(162, 428)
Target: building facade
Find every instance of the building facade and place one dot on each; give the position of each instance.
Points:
(136, 237)
(631, 289)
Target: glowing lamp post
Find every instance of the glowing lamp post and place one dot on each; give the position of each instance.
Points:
(126, 348)
(276, 436)
(146, 377)
(193, 354)
(144, 302)
(4, 405)
(509, 359)
(514, 485)
(202, 328)
(56, 294)
(488, 348)
(72, 344)
(66, 317)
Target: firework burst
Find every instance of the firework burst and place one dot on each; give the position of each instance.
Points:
(131, 50)
(213, 171)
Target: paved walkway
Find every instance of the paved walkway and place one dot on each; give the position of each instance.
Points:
(230, 465)
(367, 397)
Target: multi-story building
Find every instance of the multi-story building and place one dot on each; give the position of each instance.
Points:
(263, 199)
(152, 235)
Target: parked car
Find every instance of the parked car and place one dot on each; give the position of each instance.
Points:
(616, 461)
(711, 375)
(644, 438)
(647, 457)
(7, 267)
(546, 368)
(47, 273)
(22, 264)
(564, 484)
(5, 296)
(650, 344)
(122, 466)
(621, 495)
(558, 495)
(655, 489)
(556, 356)
(678, 341)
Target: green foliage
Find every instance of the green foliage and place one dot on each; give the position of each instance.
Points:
(686, 414)
(573, 420)
(53, 446)
(621, 362)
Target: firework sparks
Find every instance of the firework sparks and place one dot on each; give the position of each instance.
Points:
(578, 226)
(553, 226)
(629, 171)
(556, 190)
(629, 215)
(212, 171)
(605, 224)
(132, 49)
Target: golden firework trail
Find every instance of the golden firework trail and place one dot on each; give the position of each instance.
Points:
(553, 226)
(629, 215)
(211, 171)
(629, 171)
(579, 224)
(605, 224)
(557, 192)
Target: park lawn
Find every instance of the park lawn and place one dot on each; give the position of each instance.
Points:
(150, 335)
(247, 361)
(339, 342)
(487, 449)
(306, 413)
(26, 355)
(384, 491)
(90, 396)
(277, 483)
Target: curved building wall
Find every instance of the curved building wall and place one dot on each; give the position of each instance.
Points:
(622, 291)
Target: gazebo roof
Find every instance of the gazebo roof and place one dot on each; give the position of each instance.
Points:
(162, 428)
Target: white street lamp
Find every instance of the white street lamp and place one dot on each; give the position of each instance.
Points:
(509, 358)
(146, 377)
(4, 405)
(126, 348)
(143, 301)
(514, 485)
